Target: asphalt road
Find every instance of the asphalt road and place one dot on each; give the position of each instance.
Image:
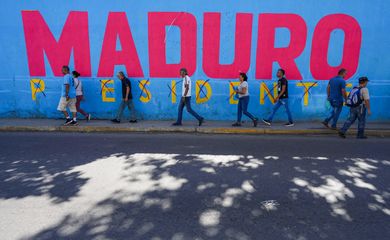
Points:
(178, 186)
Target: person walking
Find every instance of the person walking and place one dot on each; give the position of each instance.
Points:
(185, 100)
(359, 103)
(336, 96)
(79, 94)
(281, 100)
(68, 98)
(243, 101)
(127, 100)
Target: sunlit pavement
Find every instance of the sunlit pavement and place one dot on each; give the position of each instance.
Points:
(167, 186)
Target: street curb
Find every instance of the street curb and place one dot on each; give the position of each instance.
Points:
(201, 130)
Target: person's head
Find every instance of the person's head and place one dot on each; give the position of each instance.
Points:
(121, 75)
(342, 73)
(363, 81)
(280, 73)
(243, 77)
(75, 74)
(65, 70)
(183, 72)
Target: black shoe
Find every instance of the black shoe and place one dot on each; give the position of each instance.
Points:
(73, 123)
(201, 121)
(255, 121)
(236, 124)
(176, 124)
(325, 124)
(133, 121)
(267, 122)
(67, 122)
(342, 135)
(289, 124)
(362, 137)
(115, 121)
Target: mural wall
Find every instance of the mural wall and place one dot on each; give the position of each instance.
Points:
(214, 40)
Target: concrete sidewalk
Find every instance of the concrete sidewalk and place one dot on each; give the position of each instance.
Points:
(212, 127)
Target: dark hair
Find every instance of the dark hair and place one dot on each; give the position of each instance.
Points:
(65, 67)
(282, 70)
(184, 70)
(76, 74)
(342, 71)
(121, 73)
(244, 76)
(363, 79)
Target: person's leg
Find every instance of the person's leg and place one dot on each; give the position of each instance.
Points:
(351, 119)
(286, 105)
(180, 111)
(190, 110)
(73, 110)
(239, 110)
(274, 110)
(331, 114)
(337, 110)
(78, 103)
(361, 122)
(245, 103)
(120, 110)
(130, 106)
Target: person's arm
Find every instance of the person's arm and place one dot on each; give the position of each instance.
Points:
(281, 92)
(328, 90)
(67, 91)
(186, 86)
(243, 91)
(367, 103)
(127, 93)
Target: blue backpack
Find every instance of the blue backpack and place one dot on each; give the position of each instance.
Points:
(354, 98)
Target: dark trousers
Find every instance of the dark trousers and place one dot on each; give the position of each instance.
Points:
(337, 106)
(186, 101)
(78, 102)
(358, 113)
(130, 106)
(243, 108)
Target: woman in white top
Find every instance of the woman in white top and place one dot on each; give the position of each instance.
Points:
(243, 101)
(79, 94)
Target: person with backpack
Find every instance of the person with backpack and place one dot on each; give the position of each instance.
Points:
(281, 100)
(79, 94)
(336, 96)
(359, 102)
(243, 101)
(68, 98)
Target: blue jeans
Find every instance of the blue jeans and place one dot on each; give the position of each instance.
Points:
(130, 106)
(358, 113)
(186, 101)
(243, 108)
(337, 106)
(277, 105)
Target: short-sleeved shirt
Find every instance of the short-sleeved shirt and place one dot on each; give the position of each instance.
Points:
(186, 80)
(282, 82)
(364, 94)
(68, 80)
(126, 83)
(79, 86)
(336, 85)
(244, 84)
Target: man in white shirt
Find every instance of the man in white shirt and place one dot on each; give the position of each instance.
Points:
(359, 112)
(186, 100)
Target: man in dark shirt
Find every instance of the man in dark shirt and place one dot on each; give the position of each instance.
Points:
(281, 100)
(127, 100)
(336, 97)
